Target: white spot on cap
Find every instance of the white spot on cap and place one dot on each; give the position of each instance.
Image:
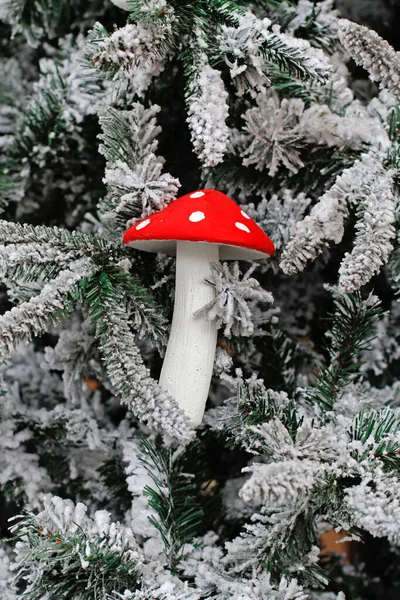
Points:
(242, 226)
(143, 224)
(197, 216)
(245, 215)
(197, 195)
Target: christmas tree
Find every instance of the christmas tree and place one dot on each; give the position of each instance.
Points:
(113, 485)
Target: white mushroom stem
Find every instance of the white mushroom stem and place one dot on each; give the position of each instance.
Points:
(189, 358)
(121, 4)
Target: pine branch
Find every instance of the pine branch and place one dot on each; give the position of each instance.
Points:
(207, 112)
(394, 264)
(73, 563)
(113, 476)
(43, 122)
(128, 136)
(100, 250)
(135, 45)
(375, 231)
(124, 365)
(148, 317)
(378, 433)
(281, 541)
(42, 126)
(147, 12)
(55, 302)
(198, 14)
(49, 253)
(28, 262)
(38, 19)
(289, 86)
(373, 53)
(6, 186)
(317, 33)
(225, 11)
(394, 123)
(326, 222)
(279, 360)
(351, 333)
(135, 182)
(291, 59)
(173, 499)
(253, 406)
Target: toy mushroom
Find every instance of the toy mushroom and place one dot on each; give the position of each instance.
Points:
(199, 228)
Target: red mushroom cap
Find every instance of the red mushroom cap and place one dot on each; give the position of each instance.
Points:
(202, 216)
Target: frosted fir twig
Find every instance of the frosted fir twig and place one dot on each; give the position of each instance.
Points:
(178, 522)
(139, 191)
(56, 300)
(83, 92)
(353, 129)
(137, 479)
(281, 483)
(125, 368)
(230, 306)
(171, 590)
(373, 53)
(276, 444)
(274, 134)
(323, 19)
(80, 244)
(352, 327)
(325, 223)
(374, 505)
(30, 262)
(77, 553)
(251, 47)
(204, 563)
(223, 362)
(74, 355)
(268, 538)
(241, 48)
(374, 436)
(297, 56)
(278, 215)
(252, 404)
(130, 46)
(8, 588)
(374, 234)
(136, 81)
(277, 131)
(22, 477)
(135, 182)
(128, 135)
(207, 115)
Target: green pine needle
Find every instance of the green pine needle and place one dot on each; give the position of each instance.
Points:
(101, 251)
(351, 333)
(43, 122)
(289, 60)
(43, 18)
(173, 499)
(72, 565)
(376, 430)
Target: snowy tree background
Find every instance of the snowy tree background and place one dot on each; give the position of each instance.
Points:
(107, 115)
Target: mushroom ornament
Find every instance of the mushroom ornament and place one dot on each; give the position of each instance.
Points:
(121, 4)
(199, 228)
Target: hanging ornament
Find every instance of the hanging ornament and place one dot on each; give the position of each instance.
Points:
(199, 229)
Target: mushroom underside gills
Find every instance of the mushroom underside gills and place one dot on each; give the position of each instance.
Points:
(189, 359)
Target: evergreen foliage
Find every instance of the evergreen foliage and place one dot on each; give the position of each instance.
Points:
(79, 563)
(172, 498)
(352, 326)
(106, 116)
